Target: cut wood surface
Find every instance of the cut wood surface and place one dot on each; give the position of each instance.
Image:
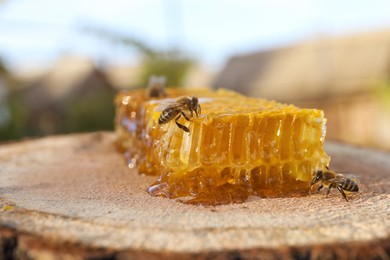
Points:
(75, 192)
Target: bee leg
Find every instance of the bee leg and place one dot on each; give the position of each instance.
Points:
(185, 116)
(320, 187)
(342, 192)
(329, 188)
(184, 128)
(197, 111)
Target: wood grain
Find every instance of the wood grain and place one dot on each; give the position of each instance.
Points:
(74, 195)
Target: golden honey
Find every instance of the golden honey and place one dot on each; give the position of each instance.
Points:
(237, 147)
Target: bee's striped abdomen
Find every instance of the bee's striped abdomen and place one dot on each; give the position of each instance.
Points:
(167, 115)
(350, 185)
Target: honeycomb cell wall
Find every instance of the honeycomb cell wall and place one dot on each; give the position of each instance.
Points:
(239, 146)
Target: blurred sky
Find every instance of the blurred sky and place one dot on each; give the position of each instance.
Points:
(36, 32)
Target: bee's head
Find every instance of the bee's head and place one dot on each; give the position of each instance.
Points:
(195, 105)
(317, 176)
(194, 102)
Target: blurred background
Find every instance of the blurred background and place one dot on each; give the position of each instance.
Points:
(61, 62)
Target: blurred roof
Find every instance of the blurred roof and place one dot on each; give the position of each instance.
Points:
(65, 75)
(123, 77)
(71, 75)
(321, 67)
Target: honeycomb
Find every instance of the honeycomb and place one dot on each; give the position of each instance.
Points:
(237, 147)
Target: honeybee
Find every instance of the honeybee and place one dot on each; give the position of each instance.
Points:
(331, 179)
(156, 86)
(176, 110)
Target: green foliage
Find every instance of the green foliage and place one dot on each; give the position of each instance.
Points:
(90, 113)
(16, 127)
(382, 93)
(173, 65)
(95, 110)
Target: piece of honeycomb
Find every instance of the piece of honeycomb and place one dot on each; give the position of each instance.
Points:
(237, 147)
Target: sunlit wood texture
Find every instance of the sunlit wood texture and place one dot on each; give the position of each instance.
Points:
(73, 196)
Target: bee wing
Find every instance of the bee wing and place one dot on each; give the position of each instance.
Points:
(342, 177)
(162, 106)
(352, 177)
(339, 178)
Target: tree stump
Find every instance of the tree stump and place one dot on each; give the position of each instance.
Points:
(73, 196)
